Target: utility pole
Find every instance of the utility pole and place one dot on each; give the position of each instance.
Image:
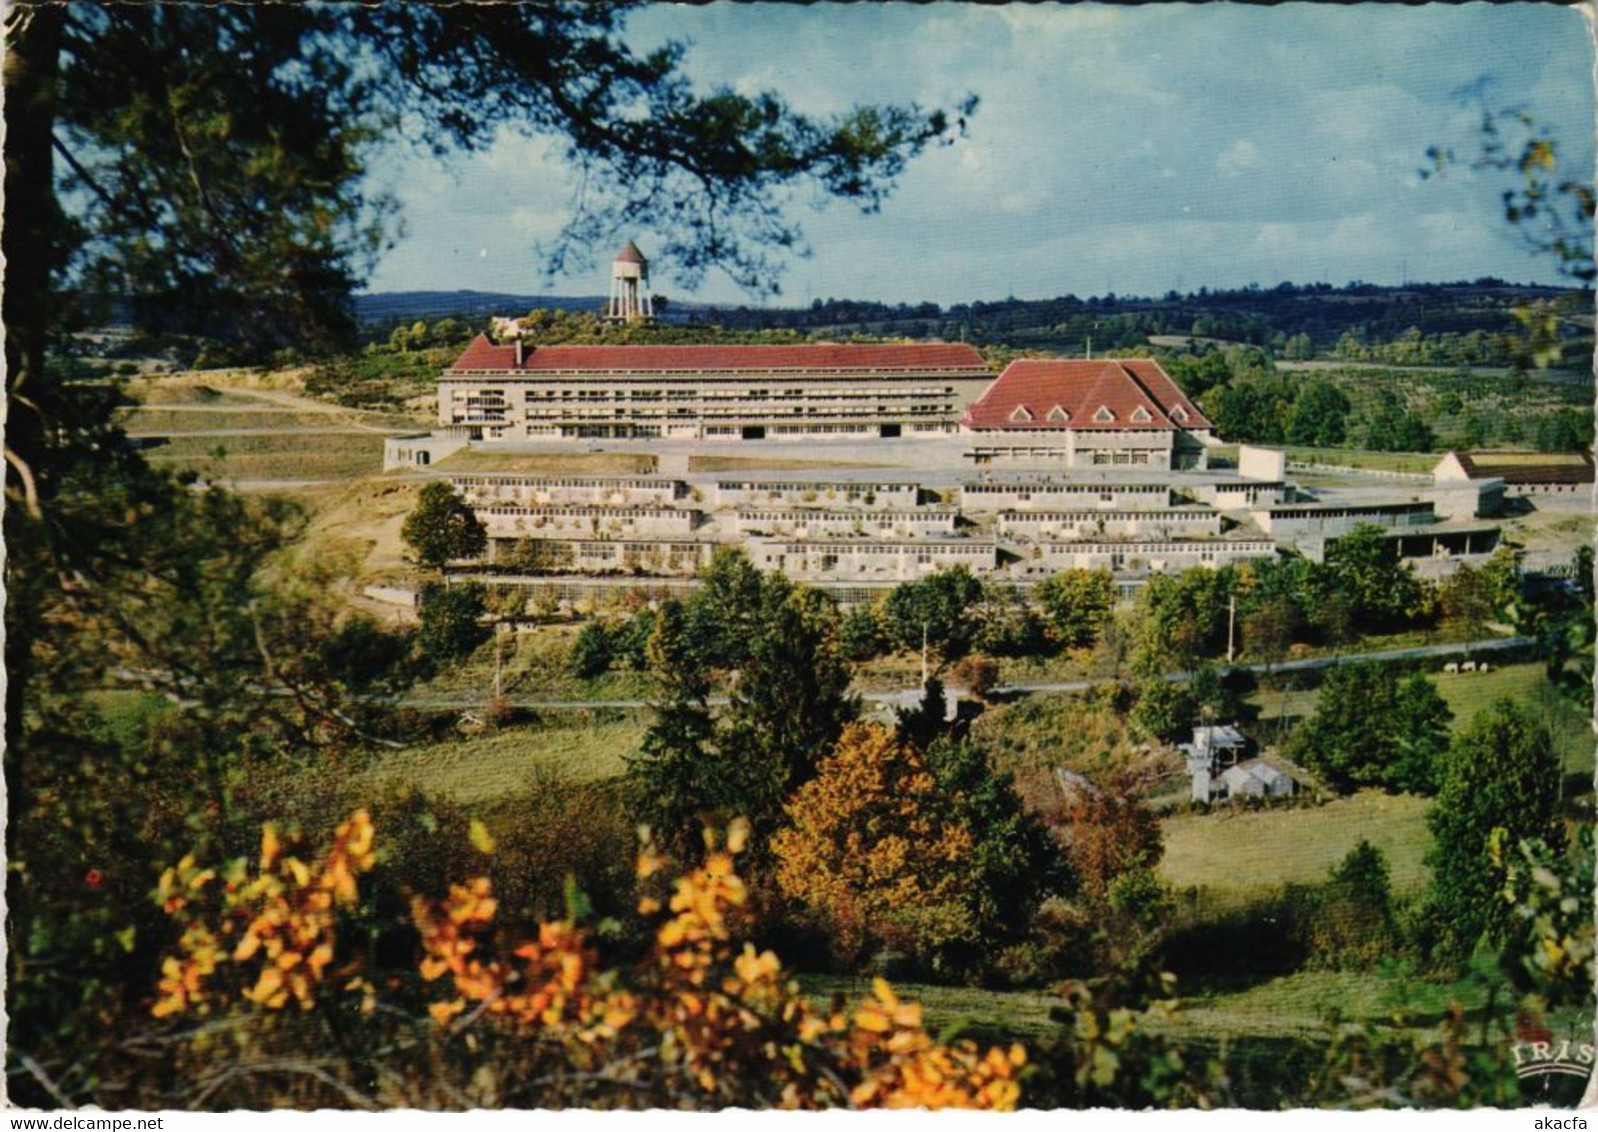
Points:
(499, 659)
(1231, 625)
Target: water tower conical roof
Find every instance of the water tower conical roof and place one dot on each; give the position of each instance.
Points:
(631, 254)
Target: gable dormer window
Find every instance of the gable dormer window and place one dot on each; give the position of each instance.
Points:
(1058, 414)
(1104, 414)
(1141, 415)
(1179, 414)
(1020, 414)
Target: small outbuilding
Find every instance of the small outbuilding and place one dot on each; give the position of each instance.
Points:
(1257, 779)
(1213, 747)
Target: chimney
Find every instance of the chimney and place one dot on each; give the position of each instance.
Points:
(521, 352)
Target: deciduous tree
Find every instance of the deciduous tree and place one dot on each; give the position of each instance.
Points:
(937, 610)
(1500, 786)
(872, 852)
(1077, 604)
(1373, 728)
(443, 528)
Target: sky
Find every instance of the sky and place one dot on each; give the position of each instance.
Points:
(1132, 150)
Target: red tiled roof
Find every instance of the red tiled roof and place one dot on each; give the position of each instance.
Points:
(484, 355)
(631, 254)
(1107, 393)
(1524, 467)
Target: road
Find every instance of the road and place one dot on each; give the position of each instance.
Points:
(906, 695)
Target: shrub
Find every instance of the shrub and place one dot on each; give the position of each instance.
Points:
(451, 621)
(521, 1019)
(979, 675)
(592, 652)
(1349, 922)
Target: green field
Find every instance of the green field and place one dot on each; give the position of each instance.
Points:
(495, 765)
(1301, 1005)
(1235, 856)
(1467, 693)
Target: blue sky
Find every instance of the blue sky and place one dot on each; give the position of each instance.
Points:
(1124, 149)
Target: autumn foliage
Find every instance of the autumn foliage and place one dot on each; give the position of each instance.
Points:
(279, 925)
(872, 850)
(702, 1020)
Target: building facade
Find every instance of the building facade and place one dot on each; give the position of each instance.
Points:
(1109, 413)
(518, 391)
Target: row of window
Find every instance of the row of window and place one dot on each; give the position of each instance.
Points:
(531, 396)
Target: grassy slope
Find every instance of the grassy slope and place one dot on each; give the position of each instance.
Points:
(1300, 1005)
(305, 457)
(565, 463)
(534, 666)
(1236, 855)
(499, 764)
(167, 422)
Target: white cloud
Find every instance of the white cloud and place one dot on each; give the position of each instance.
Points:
(1238, 158)
(1221, 144)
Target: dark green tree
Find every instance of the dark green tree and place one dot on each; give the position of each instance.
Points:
(1320, 416)
(1500, 786)
(860, 633)
(1365, 569)
(676, 782)
(1007, 624)
(1374, 728)
(452, 621)
(1017, 861)
(1165, 711)
(936, 609)
(442, 528)
(1351, 922)
(724, 612)
(790, 703)
(632, 640)
(926, 722)
(1390, 427)
(1182, 618)
(592, 652)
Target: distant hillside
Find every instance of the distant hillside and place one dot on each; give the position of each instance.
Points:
(389, 306)
(1356, 321)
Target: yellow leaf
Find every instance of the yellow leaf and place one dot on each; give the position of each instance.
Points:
(442, 1012)
(482, 840)
(270, 846)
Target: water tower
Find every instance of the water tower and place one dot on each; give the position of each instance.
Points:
(629, 287)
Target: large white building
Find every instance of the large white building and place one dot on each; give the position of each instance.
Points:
(520, 391)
